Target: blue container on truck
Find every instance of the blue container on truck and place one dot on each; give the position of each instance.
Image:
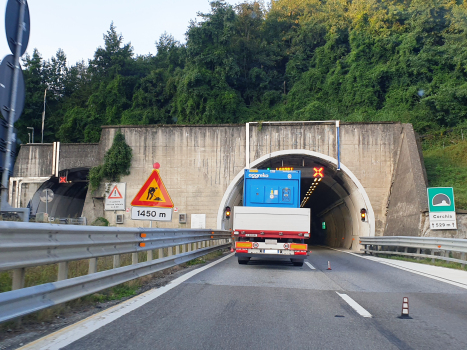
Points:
(271, 188)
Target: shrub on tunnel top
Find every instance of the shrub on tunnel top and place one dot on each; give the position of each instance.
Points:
(117, 162)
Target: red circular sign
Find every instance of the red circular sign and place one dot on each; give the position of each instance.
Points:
(156, 166)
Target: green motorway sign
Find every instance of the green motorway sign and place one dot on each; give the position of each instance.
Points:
(441, 199)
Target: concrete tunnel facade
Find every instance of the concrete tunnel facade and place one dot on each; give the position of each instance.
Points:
(342, 214)
(202, 167)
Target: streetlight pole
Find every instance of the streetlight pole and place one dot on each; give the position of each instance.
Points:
(30, 127)
(43, 116)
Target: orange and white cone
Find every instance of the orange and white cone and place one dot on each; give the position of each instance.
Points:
(329, 265)
(405, 309)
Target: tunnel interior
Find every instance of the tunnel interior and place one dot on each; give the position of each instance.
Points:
(68, 198)
(332, 195)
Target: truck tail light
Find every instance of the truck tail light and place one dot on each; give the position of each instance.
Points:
(243, 245)
(242, 250)
(300, 253)
(294, 246)
(235, 232)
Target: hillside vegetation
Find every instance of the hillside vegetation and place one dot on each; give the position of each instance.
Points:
(352, 60)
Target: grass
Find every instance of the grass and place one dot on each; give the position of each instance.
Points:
(48, 273)
(447, 167)
(204, 258)
(426, 261)
(44, 274)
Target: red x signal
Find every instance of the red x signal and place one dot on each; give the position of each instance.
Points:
(318, 172)
(62, 180)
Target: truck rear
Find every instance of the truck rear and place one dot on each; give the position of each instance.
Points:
(271, 224)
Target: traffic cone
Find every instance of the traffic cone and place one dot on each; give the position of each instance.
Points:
(329, 265)
(405, 308)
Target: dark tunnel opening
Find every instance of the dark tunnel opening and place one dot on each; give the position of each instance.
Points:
(68, 198)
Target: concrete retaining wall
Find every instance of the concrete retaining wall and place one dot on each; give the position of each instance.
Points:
(408, 198)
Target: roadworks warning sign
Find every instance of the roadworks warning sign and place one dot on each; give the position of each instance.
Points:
(153, 193)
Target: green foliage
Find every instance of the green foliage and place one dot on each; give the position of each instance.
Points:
(447, 166)
(5, 282)
(392, 60)
(117, 162)
(100, 221)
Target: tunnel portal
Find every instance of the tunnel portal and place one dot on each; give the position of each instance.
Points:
(335, 197)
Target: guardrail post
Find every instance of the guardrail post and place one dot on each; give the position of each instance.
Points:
(116, 261)
(134, 258)
(18, 279)
(183, 248)
(92, 266)
(149, 255)
(463, 258)
(62, 271)
(418, 253)
(177, 250)
(160, 253)
(406, 249)
(169, 251)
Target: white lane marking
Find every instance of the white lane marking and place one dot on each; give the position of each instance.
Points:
(356, 306)
(393, 264)
(78, 330)
(309, 265)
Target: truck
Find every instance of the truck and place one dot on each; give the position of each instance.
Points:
(271, 224)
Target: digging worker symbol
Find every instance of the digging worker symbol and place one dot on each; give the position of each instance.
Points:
(151, 192)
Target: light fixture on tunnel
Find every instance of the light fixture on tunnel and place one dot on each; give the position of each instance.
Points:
(363, 214)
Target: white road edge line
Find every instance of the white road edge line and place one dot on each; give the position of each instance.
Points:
(375, 259)
(356, 306)
(309, 265)
(72, 333)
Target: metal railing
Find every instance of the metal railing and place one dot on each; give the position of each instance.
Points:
(25, 245)
(420, 247)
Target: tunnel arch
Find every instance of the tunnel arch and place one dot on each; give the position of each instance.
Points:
(342, 216)
(68, 201)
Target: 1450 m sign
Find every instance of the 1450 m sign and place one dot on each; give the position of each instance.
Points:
(154, 214)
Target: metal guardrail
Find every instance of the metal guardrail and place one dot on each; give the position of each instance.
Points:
(441, 246)
(26, 244)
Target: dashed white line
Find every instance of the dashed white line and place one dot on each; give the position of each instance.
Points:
(356, 306)
(309, 265)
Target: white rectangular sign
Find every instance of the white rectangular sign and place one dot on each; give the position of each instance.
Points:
(115, 196)
(198, 220)
(151, 213)
(443, 220)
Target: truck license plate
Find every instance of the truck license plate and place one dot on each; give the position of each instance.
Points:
(251, 235)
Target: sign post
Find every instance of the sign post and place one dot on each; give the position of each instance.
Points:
(17, 26)
(152, 202)
(442, 208)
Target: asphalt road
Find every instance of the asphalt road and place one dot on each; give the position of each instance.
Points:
(266, 305)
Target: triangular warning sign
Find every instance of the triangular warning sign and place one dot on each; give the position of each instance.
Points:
(153, 193)
(115, 194)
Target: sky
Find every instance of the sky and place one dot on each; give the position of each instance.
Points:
(78, 26)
